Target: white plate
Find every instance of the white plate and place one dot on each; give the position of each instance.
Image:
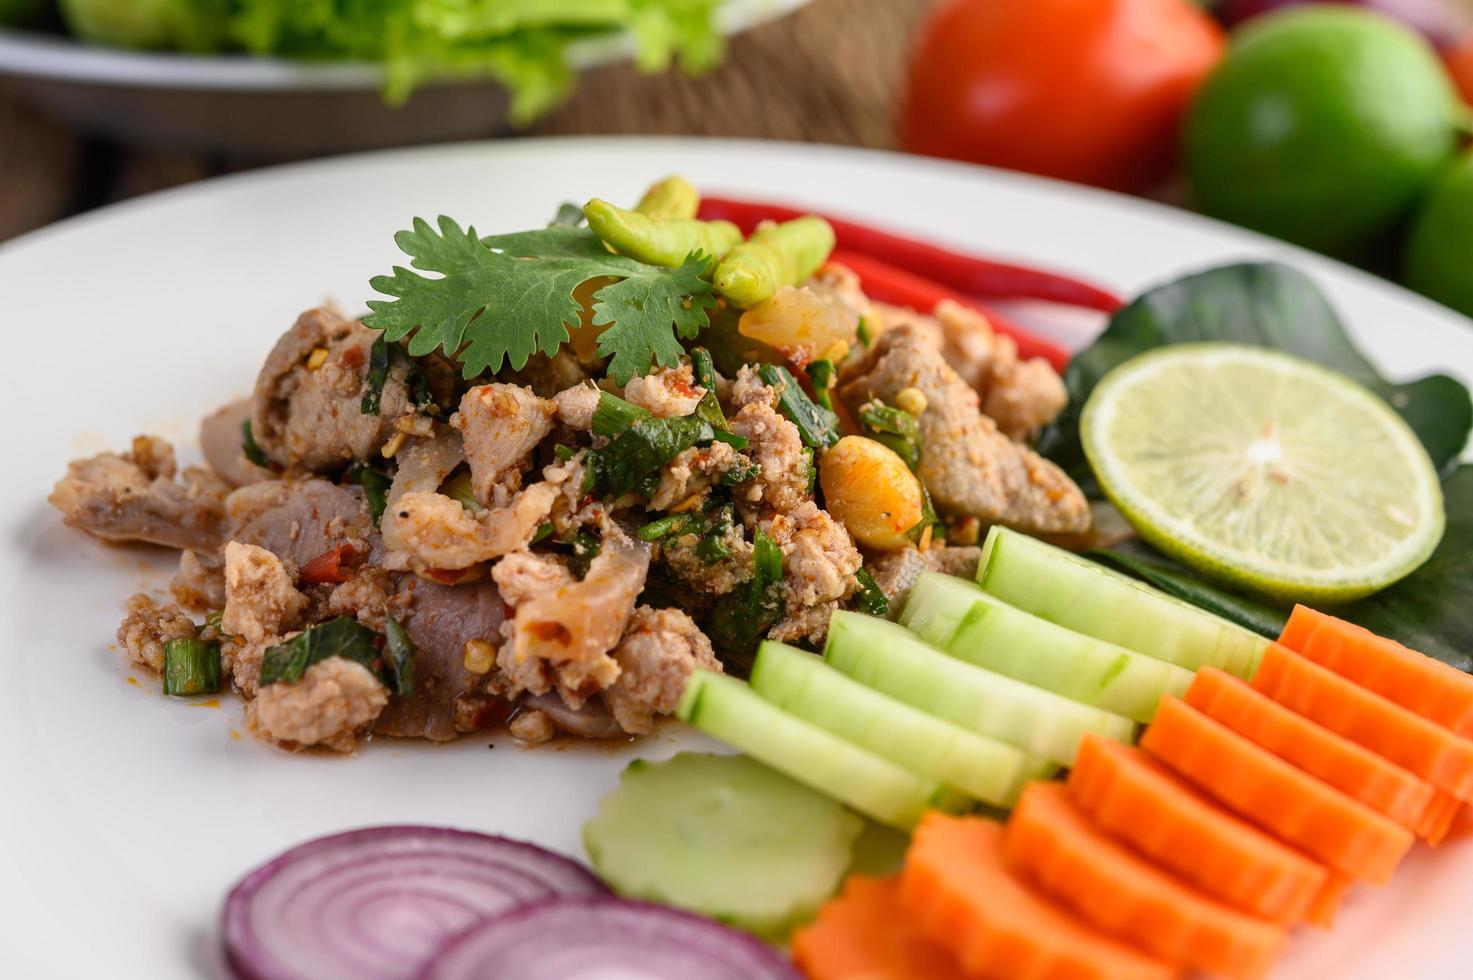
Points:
(125, 817)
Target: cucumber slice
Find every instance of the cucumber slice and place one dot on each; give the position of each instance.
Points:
(725, 836)
(725, 708)
(890, 659)
(984, 768)
(1086, 597)
(937, 605)
(992, 634)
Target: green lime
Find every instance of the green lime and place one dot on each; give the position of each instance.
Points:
(1439, 252)
(1323, 126)
(1264, 470)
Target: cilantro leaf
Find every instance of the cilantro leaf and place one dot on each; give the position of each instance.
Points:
(504, 298)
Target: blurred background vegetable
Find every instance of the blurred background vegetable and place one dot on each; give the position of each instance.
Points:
(1460, 65)
(1442, 21)
(1439, 253)
(1324, 126)
(19, 12)
(1085, 90)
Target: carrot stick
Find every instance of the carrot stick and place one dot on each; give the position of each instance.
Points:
(1423, 747)
(1352, 769)
(1415, 681)
(1327, 903)
(865, 933)
(1133, 797)
(1346, 836)
(1050, 841)
(1439, 818)
(958, 891)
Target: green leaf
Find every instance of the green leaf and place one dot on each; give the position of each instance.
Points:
(500, 300)
(342, 637)
(639, 453)
(1431, 610)
(870, 598)
(1264, 305)
(399, 652)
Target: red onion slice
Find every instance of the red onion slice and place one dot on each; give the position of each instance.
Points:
(374, 904)
(602, 939)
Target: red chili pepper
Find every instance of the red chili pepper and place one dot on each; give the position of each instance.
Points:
(328, 566)
(969, 274)
(886, 284)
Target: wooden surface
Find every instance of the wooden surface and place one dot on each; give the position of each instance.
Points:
(830, 73)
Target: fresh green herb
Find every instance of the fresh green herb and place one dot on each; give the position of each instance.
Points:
(458, 487)
(399, 651)
(708, 410)
(634, 459)
(713, 548)
(564, 452)
(378, 376)
(928, 519)
(250, 447)
(418, 386)
(818, 426)
(614, 415)
(667, 526)
(342, 637)
(870, 598)
(823, 375)
(740, 474)
(895, 428)
(742, 616)
(569, 215)
(503, 299)
(191, 666)
(215, 619)
(1265, 305)
(544, 531)
(703, 368)
(865, 335)
(375, 485)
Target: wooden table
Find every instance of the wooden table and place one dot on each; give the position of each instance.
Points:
(830, 73)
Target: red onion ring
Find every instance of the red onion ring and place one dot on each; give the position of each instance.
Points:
(599, 938)
(373, 904)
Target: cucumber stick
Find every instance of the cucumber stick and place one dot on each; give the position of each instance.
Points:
(1077, 593)
(990, 633)
(725, 836)
(889, 658)
(983, 768)
(727, 709)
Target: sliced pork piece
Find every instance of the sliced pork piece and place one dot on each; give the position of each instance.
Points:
(297, 520)
(501, 424)
(148, 626)
(307, 415)
(774, 444)
(261, 598)
(523, 576)
(896, 571)
(222, 440)
(592, 720)
(441, 620)
(200, 581)
(333, 702)
(563, 638)
(135, 497)
(436, 532)
(666, 393)
(969, 466)
(656, 656)
(576, 405)
(425, 461)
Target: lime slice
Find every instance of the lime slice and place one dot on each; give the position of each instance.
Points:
(1264, 470)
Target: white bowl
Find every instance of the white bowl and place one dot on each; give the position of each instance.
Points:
(274, 107)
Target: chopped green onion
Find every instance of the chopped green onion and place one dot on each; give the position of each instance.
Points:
(378, 376)
(895, 428)
(870, 598)
(713, 548)
(564, 452)
(818, 426)
(399, 651)
(928, 517)
(823, 374)
(215, 618)
(703, 368)
(866, 336)
(614, 415)
(544, 531)
(458, 487)
(767, 560)
(250, 447)
(742, 616)
(664, 527)
(191, 666)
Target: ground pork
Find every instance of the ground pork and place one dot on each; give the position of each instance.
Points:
(368, 597)
(199, 583)
(334, 700)
(134, 496)
(693, 471)
(576, 405)
(244, 658)
(970, 468)
(261, 598)
(774, 444)
(563, 638)
(665, 393)
(523, 576)
(148, 626)
(432, 530)
(307, 417)
(532, 727)
(502, 424)
(896, 571)
(805, 624)
(656, 656)
(748, 388)
(681, 558)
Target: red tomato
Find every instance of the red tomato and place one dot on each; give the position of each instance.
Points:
(1086, 90)
(1460, 63)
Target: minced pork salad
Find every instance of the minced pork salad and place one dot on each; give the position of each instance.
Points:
(544, 480)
